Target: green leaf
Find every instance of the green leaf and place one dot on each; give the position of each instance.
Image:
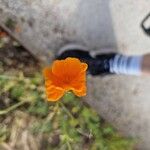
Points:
(17, 91)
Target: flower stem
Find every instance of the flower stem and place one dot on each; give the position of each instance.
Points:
(11, 108)
(6, 77)
(66, 110)
(69, 146)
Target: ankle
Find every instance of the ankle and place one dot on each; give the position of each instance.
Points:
(129, 65)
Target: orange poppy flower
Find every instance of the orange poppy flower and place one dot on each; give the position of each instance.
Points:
(65, 75)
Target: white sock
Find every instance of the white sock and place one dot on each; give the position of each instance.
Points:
(129, 65)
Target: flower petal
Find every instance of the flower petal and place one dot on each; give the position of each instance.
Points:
(68, 67)
(79, 84)
(51, 77)
(84, 66)
(47, 72)
(53, 93)
(81, 92)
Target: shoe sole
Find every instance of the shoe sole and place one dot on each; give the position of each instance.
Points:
(93, 53)
(102, 51)
(72, 47)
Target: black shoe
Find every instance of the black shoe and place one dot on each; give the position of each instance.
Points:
(98, 65)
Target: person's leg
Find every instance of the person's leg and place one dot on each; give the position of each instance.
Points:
(111, 63)
(130, 65)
